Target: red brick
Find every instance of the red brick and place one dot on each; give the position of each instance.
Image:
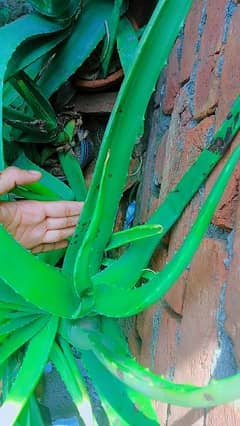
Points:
(175, 296)
(190, 38)
(224, 214)
(232, 323)
(144, 327)
(207, 88)
(229, 88)
(173, 163)
(211, 42)
(165, 360)
(183, 144)
(198, 334)
(194, 141)
(225, 415)
(172, 85)
(207, 81)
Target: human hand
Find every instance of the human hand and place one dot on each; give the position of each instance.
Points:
(38, 225)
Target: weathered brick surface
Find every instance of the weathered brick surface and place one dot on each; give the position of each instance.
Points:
(207, 88)
(226, 415)
(173, 84)
(190, 39)
(194, 142)
(224, 214)
(198, 332)
(207, 79)
(193, 335)
(228, 91)
(233, 289)
(165, 352)
(173, 169)
(229, 87)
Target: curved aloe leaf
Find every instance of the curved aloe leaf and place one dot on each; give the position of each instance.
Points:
(16, 323)
(119, 402)
(126, 369)
(86, 34)
(81, 274)
(55, 9)
(48, 188)
(127, 43)
(31, 415)
(66, 365)
(8, 296)
(119, 363)
(20, 337)
(122, 130)
(114, 301)
(136, 233)
(112, 27)
(31, 93)
(31, 51)
(74, 175)
(121, 271)
(29, 373)
(38, 279)
(14, 34)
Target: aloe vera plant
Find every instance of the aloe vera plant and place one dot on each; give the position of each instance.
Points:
(47, 310)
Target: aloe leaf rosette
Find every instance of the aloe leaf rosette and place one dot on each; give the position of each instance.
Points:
(47, 310)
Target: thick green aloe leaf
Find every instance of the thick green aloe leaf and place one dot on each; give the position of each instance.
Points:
(16, 323)
(127, 43)
(41, 284)
(74, 175)
(28, 376)
(126, 369)
(32, 95)
(31, 415)
(31, 51)
(86, 34)
(35, 413)
(120, 402)
(70, 374)
(49, 188)
(14, 34)
(117, 301)
(115, 398)
(111, 33)
(55, 9)
(111, 353)
(141, 232)
(122, 130)
(121, 271)
(8, 296)
(20, 337)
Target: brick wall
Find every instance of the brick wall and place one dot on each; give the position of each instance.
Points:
(195, 335)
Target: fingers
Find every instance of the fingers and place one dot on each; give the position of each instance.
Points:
(62, 222)
(13, 176)
(63, 209)
(55, 236)
(41, 248)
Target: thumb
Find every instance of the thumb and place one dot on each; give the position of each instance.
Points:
(13, 176)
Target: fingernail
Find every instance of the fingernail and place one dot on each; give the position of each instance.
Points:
(34, 172)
